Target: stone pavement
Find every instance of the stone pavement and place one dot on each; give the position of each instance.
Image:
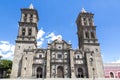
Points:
(66, 79)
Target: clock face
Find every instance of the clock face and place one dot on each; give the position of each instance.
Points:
(59, 46)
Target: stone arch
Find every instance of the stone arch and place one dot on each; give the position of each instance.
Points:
(78, 54)
(118, 74)
(87, 34)
(111, 74)
(39, 72)
(80, 73)
(92, 35)
(60, 72)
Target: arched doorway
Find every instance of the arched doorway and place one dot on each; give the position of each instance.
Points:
(111, 75)
(60, 72)
(39, 72)
(80, 73)
(118, 74)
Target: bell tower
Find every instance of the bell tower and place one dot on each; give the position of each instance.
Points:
(86, 29)
(28, 25)
(88, 42)
(26, 40)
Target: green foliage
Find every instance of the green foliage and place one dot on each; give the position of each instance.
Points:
(5, 66)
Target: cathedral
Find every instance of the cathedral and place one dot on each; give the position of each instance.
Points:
(58, 60)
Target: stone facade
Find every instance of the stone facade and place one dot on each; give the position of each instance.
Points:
(58, 60)
(112, 70)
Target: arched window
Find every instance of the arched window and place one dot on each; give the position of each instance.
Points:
(78, 56)
(25, 17)
(40, 56)
(87, 34)
(31, 18)
(23, 32)
(59, 55)
(60, 72)
(90, 21)
(111, 75)
(84, 21)
(29, 31)
(80, 73)
(91, 61)
(92, 35)
(39, 72)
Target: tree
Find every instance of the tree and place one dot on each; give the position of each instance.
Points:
(5, 68)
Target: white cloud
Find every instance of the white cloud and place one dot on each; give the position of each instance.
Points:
(8, 55)
(117, 61)
(4, 42)
(40, 38)
(6, 50)
(4, 46)
(40, 42)
(12, 48)
(51, 37)
(69, 41)
(40, 34)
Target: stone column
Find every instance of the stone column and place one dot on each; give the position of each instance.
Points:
(48, 64)
(72, 64)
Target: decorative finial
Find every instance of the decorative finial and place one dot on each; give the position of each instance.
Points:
(31, 6)
(59, 38)
(83, 10)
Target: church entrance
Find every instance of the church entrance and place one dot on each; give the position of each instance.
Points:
(60, 72)
(39, 72)
(80, 73)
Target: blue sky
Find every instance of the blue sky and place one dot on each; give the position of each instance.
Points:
(57, 18)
